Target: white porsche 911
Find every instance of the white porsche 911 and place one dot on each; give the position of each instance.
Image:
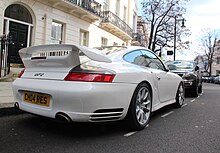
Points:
(81, 84)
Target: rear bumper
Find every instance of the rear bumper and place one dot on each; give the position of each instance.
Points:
(81, 101)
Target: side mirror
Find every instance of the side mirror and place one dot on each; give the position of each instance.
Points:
(196, 68)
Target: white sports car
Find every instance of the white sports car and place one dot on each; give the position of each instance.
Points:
(76, 83)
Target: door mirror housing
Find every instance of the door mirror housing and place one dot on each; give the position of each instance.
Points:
(196, 68)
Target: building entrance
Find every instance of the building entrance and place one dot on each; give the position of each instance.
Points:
(18, 25)
(18, 34)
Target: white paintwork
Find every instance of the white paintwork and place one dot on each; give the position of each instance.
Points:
(79, 100)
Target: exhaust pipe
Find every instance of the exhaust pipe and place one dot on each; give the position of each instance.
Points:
(61, 117)
(16, 105)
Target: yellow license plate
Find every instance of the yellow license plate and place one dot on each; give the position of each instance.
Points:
(37, 98)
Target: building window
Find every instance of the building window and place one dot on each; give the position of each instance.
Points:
(106, 5)
(115, 44)
(135, 23)
(117, 9)
(56, 33)
(84, 38)
(104, 41)
(125, 14)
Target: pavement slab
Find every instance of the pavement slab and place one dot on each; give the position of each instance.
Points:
(6, 95)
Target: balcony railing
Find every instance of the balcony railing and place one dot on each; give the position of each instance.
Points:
(89, 5)
(109, 17)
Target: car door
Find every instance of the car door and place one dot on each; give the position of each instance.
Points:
(164, 80)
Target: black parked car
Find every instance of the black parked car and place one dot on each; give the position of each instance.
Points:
(190, 73)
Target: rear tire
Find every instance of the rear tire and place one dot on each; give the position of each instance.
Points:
(140, 107)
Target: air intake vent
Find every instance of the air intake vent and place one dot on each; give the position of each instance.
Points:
(180, 74)
(107, 114)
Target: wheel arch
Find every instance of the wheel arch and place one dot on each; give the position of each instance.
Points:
(151, 91)
(130, 113)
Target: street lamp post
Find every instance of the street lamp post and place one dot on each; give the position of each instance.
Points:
(182, 26)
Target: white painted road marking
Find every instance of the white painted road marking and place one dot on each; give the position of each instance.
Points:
(129, 134)
(167, 114)
(184, 105)
(192, 100)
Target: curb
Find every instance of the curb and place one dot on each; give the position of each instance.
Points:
(9, 109)
(7, 78)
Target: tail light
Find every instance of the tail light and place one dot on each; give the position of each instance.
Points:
(89, 77)
(21, 73)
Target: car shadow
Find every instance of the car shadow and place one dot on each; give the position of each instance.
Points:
(38, 124)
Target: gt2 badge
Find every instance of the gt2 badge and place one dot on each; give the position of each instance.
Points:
(39, 74)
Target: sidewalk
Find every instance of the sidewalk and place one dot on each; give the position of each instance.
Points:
(7, 100)
(6, 95)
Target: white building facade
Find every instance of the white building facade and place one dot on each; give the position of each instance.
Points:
(79, 22)
(216, 60)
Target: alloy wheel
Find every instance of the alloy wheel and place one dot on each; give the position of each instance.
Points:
(143, 105)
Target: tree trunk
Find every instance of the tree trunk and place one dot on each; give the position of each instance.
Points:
(210, 69)
(151, 36)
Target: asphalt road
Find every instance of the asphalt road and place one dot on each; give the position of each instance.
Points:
(195, 128)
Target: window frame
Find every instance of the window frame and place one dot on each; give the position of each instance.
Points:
(117, 7)
(104, 41)
(83, 41)
(59, 41)
(106, 5)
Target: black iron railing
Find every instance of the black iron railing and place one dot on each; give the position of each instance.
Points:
(4, 63)
(110, 17)
(89, 5)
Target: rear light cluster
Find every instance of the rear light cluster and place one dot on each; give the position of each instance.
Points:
(21, 73)
(89, 77)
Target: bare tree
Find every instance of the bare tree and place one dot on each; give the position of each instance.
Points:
(161, 14)
(209, 43)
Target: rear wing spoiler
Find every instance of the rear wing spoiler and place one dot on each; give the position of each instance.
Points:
(59, 55)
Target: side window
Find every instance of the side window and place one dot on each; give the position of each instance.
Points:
(135, 57)
(152, 60)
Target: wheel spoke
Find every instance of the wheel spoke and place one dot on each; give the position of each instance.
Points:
(145, 95)
(146, 106)
(142, 116)
(138, 114)
(138, 101)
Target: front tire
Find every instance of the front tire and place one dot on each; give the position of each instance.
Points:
(180, 96)
(140, 107)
